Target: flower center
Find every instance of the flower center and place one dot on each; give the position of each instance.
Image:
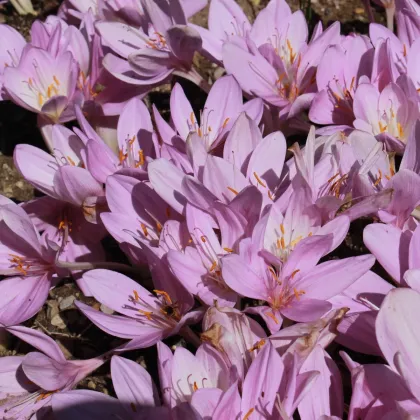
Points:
(25, 266)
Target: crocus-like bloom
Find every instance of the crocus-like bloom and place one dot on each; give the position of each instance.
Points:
(10, 51)
(204, 371)
(223, 106)
(29, 257)
(136, 392)
(56, 37)
(254, 162)
(337, 79)
(390, 115)
(71, 209)
(262, 396)
(63, 175)
(234, 335)
(198, 266)
(298, 289)
(226, 21)
(285, 228)
(145, 318)
(31, 381)
(167, 44)
(129, 11)
(275, 62)
(136, 142)
(144, 225)
(43, 83)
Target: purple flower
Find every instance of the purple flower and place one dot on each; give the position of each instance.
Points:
(75, 199)
(43, 83)
(145, 318)
(136, 143)
(337, 79)
(275, 62)
(226, 21)
(223, 106)
(30, 258)
(10, 52)
(292, 289)
(152, 53)
(129, 11)
(31, 381)
(136, 392)
(198, 266)
(234, 334)
(390, 115)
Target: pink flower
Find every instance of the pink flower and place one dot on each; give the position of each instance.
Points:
(145, 318)
(44, 83)
(293, 289)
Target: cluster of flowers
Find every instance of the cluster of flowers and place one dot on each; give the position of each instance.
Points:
(234, 226)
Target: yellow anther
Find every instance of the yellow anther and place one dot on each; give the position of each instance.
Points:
(144, 229)
(158, 227)
(382, 127)
(282, 243)
(122, 156)
(248, 414)
(147, 314)
(296, 241)
(232, 190)
(257, 345)
(298, 293)
(71, 161)
(400, 130)
(379, 179)
(165, 295)
(273, 317)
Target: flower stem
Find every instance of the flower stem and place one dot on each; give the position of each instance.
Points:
(97, 264)
(190, 336)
